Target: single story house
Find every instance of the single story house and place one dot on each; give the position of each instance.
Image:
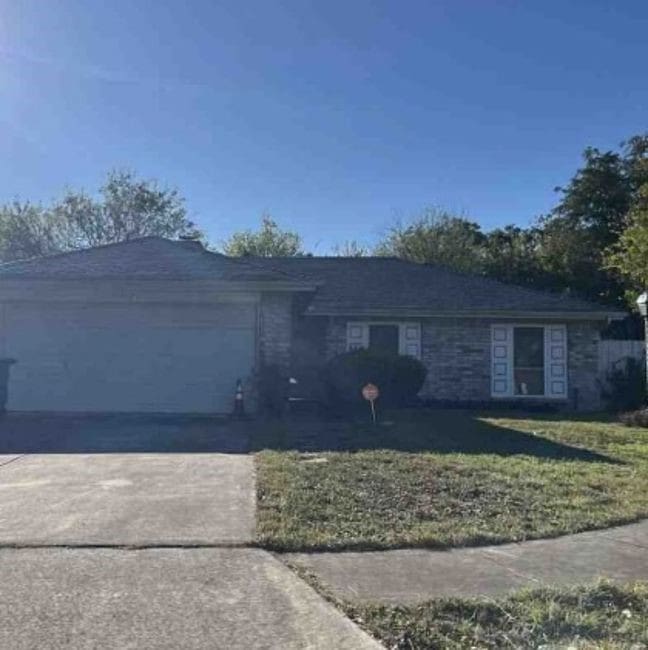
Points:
(153, 325)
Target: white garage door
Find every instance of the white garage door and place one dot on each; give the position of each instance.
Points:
(139, 358)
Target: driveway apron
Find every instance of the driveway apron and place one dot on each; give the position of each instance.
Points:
(137, 534)
(227, 598)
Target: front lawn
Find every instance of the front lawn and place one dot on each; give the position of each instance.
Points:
(449, 478)
(600, 616)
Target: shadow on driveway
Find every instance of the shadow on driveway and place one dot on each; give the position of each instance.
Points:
(415, 431)
(97, 434)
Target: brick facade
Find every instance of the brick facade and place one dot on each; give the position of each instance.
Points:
(457, 354)
(276, 329)
(336, 333)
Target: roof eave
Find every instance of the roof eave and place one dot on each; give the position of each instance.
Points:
(230, 285)
(405, 312)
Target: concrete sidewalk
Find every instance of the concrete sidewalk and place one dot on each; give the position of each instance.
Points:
(410, 576)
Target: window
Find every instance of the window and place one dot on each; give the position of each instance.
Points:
(528, 360)
(383, 338)
(396, 338)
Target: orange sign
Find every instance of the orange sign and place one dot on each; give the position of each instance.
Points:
(370, 392)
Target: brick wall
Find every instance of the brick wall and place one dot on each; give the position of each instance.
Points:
(275, 329)
(336, 332)
(457, 355)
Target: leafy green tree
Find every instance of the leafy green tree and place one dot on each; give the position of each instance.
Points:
(126, 207)
(437, 237)
(629, 256)
(29, 230)
(590, 218)
(269, 241)
(351, 248)
(510, 254)
(598, 196)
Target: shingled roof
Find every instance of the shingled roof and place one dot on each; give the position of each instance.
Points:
(143, 258)
(341, 285)
(384, 285)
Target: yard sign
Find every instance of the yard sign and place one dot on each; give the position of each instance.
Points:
(371, 393)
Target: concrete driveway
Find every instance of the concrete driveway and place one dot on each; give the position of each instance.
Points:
(137, 533)
(127, 499)
(164, 598)
(148, 481)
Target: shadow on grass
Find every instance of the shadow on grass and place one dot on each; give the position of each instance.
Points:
(417, 431)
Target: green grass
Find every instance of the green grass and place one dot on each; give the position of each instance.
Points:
(599, 616)
(439, 479)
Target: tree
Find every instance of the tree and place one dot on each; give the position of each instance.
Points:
(351, 248)
(29, 230)
(589, 219)
(598, 196)
(269, 241)
(126, 207)
(437, 237)
(629, 256)
(571, 257)
(510, 254)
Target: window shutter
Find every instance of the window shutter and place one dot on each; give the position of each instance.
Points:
(501, 360)
(410, 339)
(556, 361)
(357, 336)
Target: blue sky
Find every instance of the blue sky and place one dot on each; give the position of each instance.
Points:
(335, 117)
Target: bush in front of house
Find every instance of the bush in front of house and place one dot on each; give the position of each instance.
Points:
(625, 386)
(637, 418)
(399, 379)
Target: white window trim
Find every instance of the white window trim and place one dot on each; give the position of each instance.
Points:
(548, 394)
(404, 329)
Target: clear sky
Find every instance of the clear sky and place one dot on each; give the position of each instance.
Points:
(334, 116)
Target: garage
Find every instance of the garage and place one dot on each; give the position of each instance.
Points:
(146, 325)
(141, 358)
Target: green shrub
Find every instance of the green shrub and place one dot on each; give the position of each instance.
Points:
(399, 378)
(625, 386)
(635, 418)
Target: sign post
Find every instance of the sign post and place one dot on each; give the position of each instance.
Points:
(371, 393)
